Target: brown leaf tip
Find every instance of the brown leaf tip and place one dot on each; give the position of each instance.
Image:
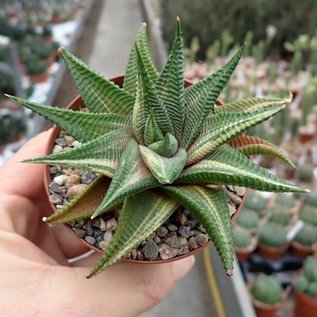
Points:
(229, 272)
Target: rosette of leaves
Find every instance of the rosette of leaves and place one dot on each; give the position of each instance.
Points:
(163, 145)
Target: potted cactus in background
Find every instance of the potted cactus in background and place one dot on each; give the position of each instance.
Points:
(305, 241)
(248, 220)
(267, 295)
(36, 70)
(272, 241)
(306, 289)
(244, 243)
(165, 145)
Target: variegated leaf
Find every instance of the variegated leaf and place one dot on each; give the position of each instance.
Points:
(210, 207)
(130, 178)
(251, 145)
(201, 97)
(99, 94)
(166, 147)
(83, 205)
(131, 74)
(152, 133)
(100, 155)
(230, 167)
(170, 85)
(164, 169)
(73, 121)
(142, 214)
(151, 99)
(223, 126)
(251, 104)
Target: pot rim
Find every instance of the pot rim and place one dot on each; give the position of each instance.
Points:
(76, 104)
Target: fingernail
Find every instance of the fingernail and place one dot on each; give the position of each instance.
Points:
(182, 267)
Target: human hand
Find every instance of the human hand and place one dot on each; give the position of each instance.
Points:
(35, 276)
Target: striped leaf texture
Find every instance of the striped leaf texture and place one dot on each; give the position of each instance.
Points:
(96, 124)
(170, 85)
(230, 167)
(210, 207)
(131, 177)
(223, 126)
(152, 133)
(137, 221)
(100, 155)
(252, 104)
(201, 97)
(150, 97)
(166, 147)
(164, 169)
(131, 74)
(251, 145)
(83, 205)
(99, 94)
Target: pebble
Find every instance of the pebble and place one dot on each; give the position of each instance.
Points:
(232, 210)
(72, 179)
(172, 240)
(69, 171)
(167, 252)
(75, 143)
(76, 189)
(57, 149)
(240, 191)
(80, 232)
(69, 140)
(235, 198)
(61, 142)
(192, 243)
(112, 224)
(201, 228)
(134, 254)
(182, 241)
(202, 238)
(192, 223)
(107, 236)
(53, 170)
(56, 199)
(184, 231)
(88, 177)
(90, 240)
(183, 250)
(96, 223)
(89, 228)
(157, 239)
(103, 245)
(181, 217)
(54, 187)
(162, 231)
(102, 224)
(140, 255)
(59, 180)
(150, 250)
(171, 227)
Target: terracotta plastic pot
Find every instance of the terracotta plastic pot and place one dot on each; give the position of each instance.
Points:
(272, 253)
(243, 254)
(265, 310)
(37, 79)
(301, 250)
(305, 306)
(77, 104)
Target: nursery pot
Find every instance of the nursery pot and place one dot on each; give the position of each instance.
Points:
(301, 250)
(77, 104)
(39, 78)
(272, 253)
(265, 310)
(305, 306)
(243, 254)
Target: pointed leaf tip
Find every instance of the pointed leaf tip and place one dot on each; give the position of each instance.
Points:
(229, 272)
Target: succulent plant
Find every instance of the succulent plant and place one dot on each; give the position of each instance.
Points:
(161, 144)
(255, 202)
(272, 235)
(285, 200)
(267, 290)
(248, 219)
(11, 127)
(309, 215)
(280, 216)
(307, 282)
(34, 66)
(305, 173)
(306, 236)
(241, 237)
(310, 199)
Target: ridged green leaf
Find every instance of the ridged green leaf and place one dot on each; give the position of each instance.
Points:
(170, 85)
(100, 155)
(250, 145)
(151, 100)
(166, 147)
(201, 97)
(210, 207)
(131, 74)
(164, 169)
(83, 205)
(221, 127)
(141, 215)
(152, 133)
(130, 178)
(252, 104)
(99, 94)
(230, 167)
(73, 121)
